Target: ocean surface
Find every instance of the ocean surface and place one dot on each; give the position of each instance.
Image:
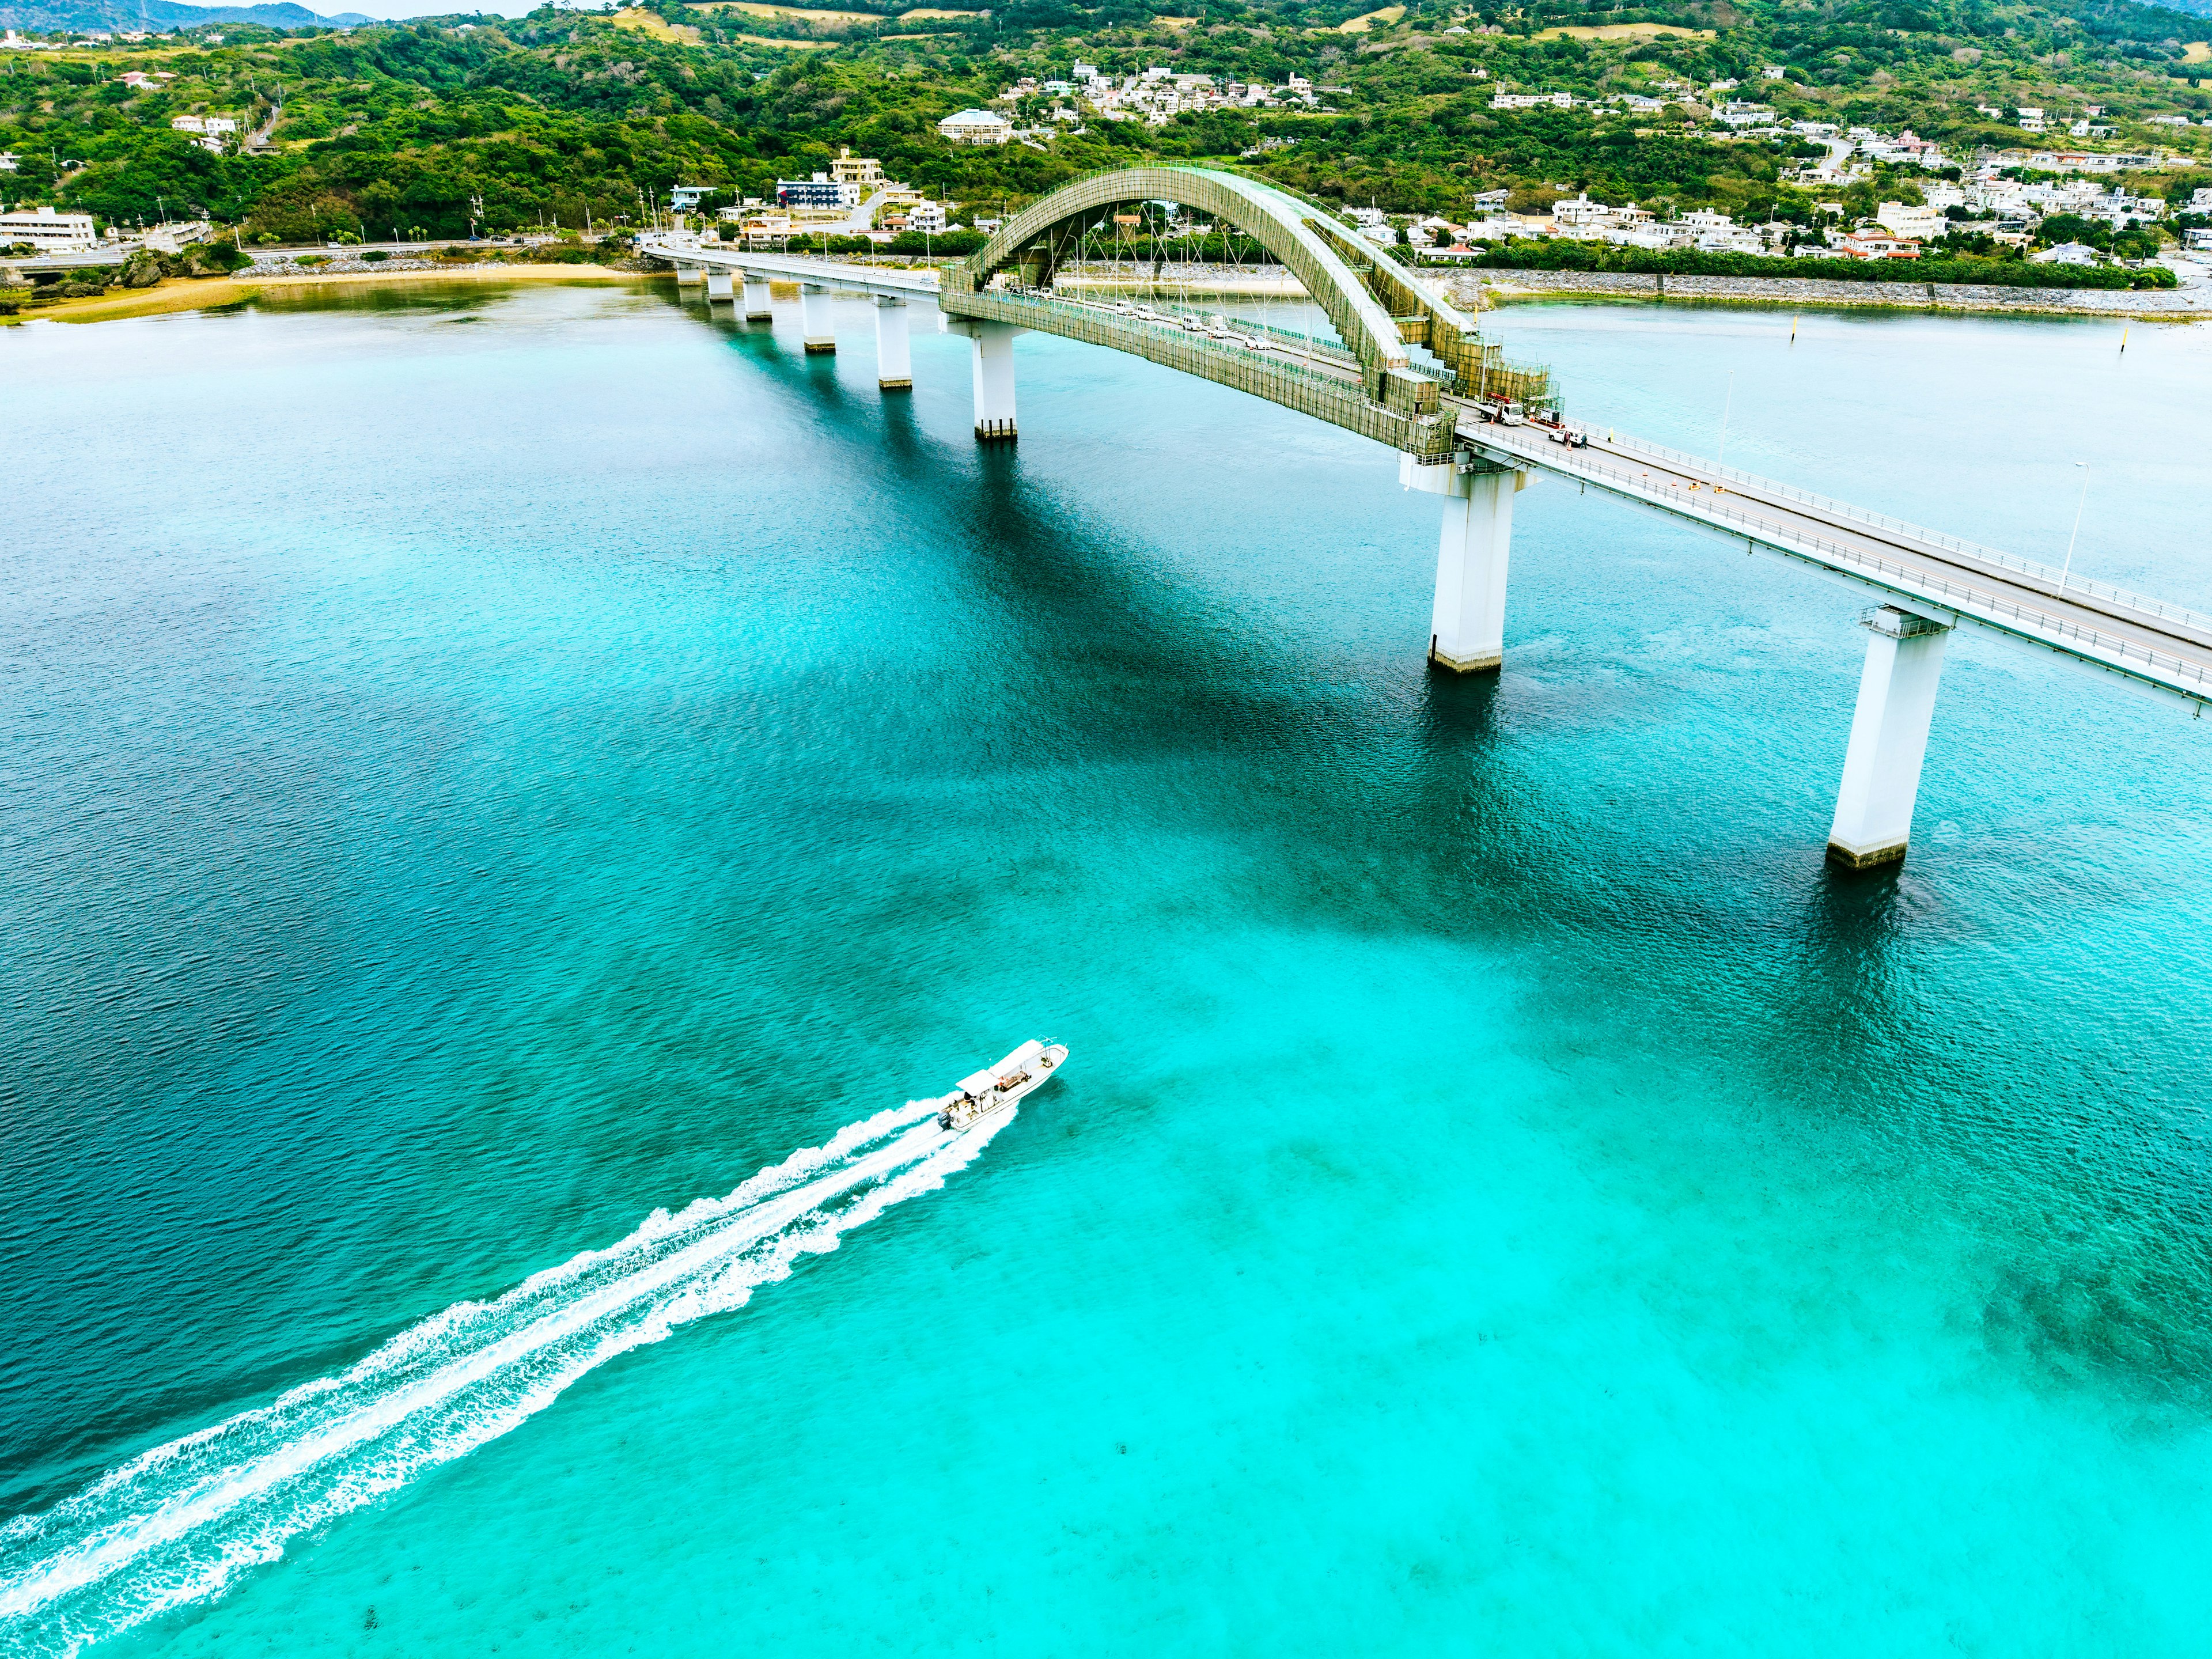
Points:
(507, 794)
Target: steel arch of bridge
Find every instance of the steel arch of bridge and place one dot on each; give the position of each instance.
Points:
(1374, 303)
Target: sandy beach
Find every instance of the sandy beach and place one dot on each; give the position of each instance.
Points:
(206, 293)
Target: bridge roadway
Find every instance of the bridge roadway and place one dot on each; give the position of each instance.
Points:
(2156, 646)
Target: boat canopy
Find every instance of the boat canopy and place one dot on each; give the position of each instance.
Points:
(1019, 1058)
(980, 1083)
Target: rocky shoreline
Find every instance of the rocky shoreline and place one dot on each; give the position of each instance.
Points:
(267, 267)
(1472, 288)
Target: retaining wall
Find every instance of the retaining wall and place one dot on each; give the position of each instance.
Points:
(2179, 304)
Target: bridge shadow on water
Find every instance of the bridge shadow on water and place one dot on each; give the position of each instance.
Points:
(1391, 798)
(1424, 769)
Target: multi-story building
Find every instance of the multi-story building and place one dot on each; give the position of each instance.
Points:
(864, 172)
(1901, 218)
(821, 192)
(48, 231)
(974, 126)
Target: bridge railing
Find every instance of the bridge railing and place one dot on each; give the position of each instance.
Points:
(2107, 592)
(1327, 391)
(2177, 673)
(1322, 349)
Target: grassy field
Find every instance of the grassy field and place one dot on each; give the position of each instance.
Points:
(1622, 31)
(646, 22)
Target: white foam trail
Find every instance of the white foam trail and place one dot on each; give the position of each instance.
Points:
(179, 1524)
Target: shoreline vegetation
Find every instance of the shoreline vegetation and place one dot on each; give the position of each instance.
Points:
(1475, 289)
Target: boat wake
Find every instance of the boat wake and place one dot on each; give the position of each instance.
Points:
(180, 1523)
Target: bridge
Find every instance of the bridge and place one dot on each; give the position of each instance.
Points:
(1411, 371)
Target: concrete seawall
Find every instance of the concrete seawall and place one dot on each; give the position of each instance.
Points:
(2173, 305)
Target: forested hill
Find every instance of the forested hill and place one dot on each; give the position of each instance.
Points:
(434, 124)
(76, 16)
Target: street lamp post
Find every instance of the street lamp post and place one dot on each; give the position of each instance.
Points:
(2078, 506)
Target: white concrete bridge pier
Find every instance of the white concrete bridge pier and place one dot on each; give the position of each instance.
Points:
(687, 274)
(759, 307)
(993, 361)
(1889, 734)
(1467, 630)
(718, 286)
(894, 346)
(814, 323)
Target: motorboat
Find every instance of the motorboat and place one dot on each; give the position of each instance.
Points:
(996, 1088)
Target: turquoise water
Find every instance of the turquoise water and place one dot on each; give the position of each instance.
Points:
(483, 767)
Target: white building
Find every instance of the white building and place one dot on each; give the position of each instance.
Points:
(1716, 233)
(1579, 213)
(48, 231)
(974, 126)
(1653, 235)
(2118, 207)
(8, 161)
(1738, 116)
(928, 217)
(209, 132)
(1900, 220)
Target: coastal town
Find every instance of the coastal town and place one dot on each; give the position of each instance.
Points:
(1654, 151)
(2000, 199)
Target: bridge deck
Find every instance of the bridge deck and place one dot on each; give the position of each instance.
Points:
(2162, 646)
(793, 267)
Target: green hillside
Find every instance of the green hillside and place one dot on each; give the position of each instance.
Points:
(433, 124)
